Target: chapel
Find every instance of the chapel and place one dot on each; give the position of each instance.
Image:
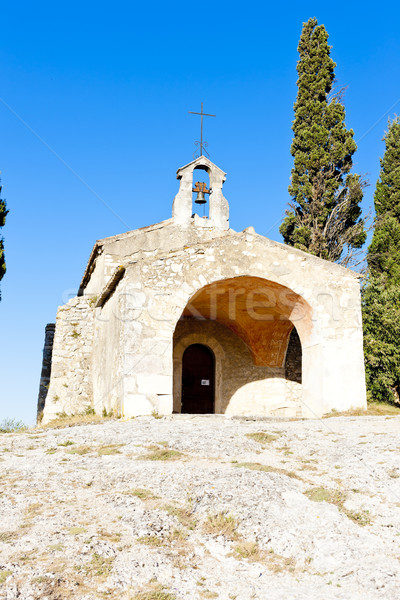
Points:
(189, 316)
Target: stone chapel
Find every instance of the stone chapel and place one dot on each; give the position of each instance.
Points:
(189, 316)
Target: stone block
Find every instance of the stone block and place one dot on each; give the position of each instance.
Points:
(154, 384)
(136, 404)
(165, 404)
(130, 385)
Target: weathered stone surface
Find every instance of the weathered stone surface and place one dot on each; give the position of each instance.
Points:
(76, 511)
(71, 387)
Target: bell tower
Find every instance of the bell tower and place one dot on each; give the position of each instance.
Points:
(182, 212)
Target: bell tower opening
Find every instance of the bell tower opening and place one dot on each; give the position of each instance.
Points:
(201, 193)
(204, 185)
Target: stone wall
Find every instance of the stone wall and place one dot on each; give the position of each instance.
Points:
(71, 384)
(120, 355)
(146, 345)
(107, 358)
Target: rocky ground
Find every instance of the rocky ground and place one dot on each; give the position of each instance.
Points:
(202, 507)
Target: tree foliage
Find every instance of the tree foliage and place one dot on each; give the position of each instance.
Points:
(3, 214)
(381, 295)
(324, 217)
(384, 250)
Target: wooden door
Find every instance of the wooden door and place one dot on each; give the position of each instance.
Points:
(198, 380)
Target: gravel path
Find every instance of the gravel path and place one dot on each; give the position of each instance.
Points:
(202, 507)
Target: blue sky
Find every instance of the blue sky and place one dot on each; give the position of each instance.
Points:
(107, 89)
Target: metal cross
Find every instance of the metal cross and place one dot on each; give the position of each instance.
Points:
(201, 144)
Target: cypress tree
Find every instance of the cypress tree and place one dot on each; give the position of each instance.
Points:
(324, 217)
(381, 295)
(3, 214)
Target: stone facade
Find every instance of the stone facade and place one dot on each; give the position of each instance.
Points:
(284, 326)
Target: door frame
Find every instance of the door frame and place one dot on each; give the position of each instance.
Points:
(209, 392)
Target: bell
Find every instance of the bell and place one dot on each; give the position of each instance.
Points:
(200, 199)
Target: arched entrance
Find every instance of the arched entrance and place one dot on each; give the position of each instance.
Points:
(198, 373)
(255, 329)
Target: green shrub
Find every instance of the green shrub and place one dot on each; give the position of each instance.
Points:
(11, 426)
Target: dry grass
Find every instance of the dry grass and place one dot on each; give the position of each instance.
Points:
(361, 517)
(306, 465)
(80, 450)
(8, 536)
(60, 585)
(267, 469)
(77, 530)
(33, 510)
(109, 449)
(157, 453)
(142, 493)
(58, 588)
(251, 552)
(100, 566)
(320, 494)
(394, 473)
(109, 536)
(40, 579)
(177, 537)
(183, 514)
(262, 437)
(64, 420)
(374, 409)
(155, 591)
(4, 575)
(26, 557)
(56, 547)
(151, 540)
(338, 498)
(156, 414)
(285, 449)
(280, 564)
(221, 524)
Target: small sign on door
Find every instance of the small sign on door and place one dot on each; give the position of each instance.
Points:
(205, 382)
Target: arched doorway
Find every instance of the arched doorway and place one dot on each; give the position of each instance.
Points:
(255, 329)
(198, 373)
(293, 358)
